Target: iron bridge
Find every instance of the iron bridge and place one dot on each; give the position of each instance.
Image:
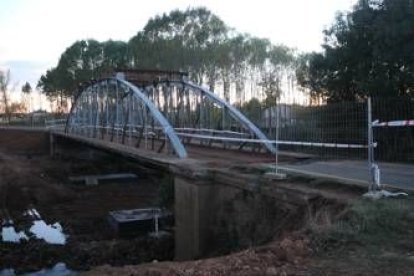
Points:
(160, 111)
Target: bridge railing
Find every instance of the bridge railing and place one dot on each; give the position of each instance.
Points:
(36, 119)
(56, 124)
(200, 137)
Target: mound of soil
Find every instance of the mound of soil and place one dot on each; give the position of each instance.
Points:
(289, 256)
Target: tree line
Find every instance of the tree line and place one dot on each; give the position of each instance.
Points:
(194, 40)
(368, 51)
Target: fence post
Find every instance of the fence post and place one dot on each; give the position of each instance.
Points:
(276, 137)
(370, 157)
(373, 170)
(276, 174)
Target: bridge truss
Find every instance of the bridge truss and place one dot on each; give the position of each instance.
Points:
(163, 115)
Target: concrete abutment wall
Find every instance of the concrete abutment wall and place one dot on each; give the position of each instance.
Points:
(220, 211)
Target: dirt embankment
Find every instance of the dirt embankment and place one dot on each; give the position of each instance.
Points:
(289, 256)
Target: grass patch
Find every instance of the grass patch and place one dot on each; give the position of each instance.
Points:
(367, 237)
(366, 221)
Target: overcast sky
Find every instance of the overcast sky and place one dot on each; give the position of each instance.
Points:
(33, 34)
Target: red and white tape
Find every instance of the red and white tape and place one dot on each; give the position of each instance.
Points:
(280, 142)
(399, 123)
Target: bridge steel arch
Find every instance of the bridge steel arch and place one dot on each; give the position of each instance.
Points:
(163, 117)
(118, 111)
(247, 132)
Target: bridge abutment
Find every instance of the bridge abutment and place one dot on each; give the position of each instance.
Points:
(220, 210)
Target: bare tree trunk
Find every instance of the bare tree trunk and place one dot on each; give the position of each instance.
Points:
(239, 78)
(226, 89)
(212, 79)
(4, 82)
(6, 106)
(240, 91)
(61, 101)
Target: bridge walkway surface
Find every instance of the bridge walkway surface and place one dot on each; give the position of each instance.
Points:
(356, 172)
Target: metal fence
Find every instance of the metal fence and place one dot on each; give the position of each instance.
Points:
(340, 130)
(394, 129)
(41, 119)
(327, 131)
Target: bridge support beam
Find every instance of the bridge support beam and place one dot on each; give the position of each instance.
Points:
(194, 213)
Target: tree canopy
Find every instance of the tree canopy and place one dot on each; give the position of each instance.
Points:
(27, 88)
(194, 40)
(4, 97)
(368, 52)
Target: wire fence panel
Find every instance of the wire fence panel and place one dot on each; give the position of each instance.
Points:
(35, 119)
(340, 130)
(327, 131)
(393, 130)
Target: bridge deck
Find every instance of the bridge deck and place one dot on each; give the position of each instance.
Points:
(214, 156)
(217, 156)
